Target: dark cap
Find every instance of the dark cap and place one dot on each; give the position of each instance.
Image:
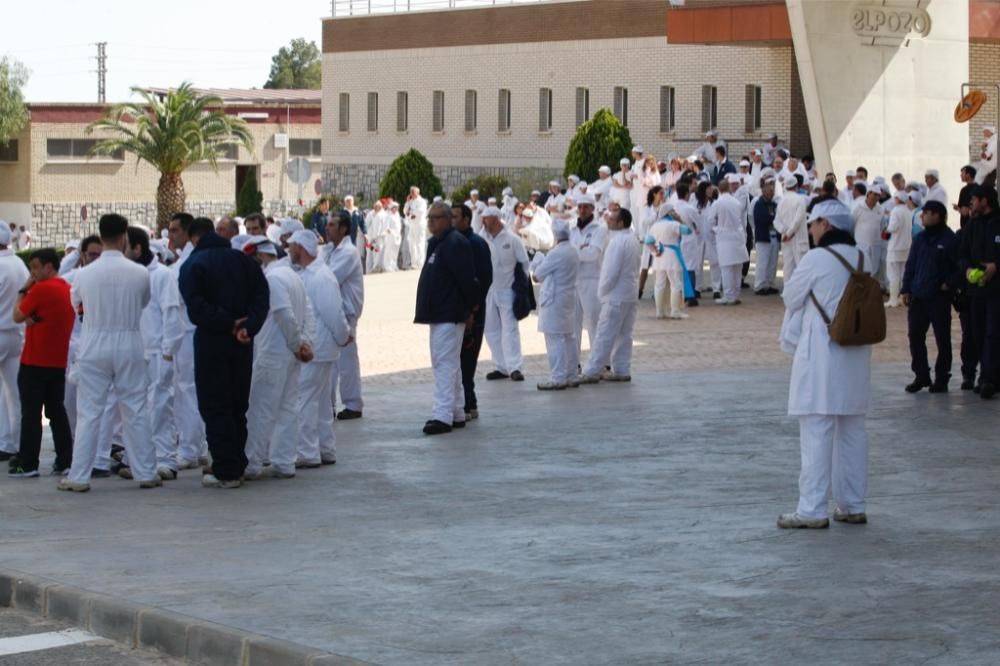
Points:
(988, 193)
(934, 206)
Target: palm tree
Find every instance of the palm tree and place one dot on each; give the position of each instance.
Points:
(171, 133)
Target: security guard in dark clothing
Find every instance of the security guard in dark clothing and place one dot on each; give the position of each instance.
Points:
(928, 281)
(978, 256)
(473, 343)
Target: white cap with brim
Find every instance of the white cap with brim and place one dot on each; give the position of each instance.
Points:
(933, 173)
(560, 230)
(851, 173)
(262, 244)
(306, 240)
(734, 178)
(536, 193)
(638, 149)
(902, 195)
(834, 212)
(237, 241)
(573, 178)
(790, 182)
(917, 198)
(586, 200)
(665, 210)
(625, 161)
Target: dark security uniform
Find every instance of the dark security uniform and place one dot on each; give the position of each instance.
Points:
(980, 246)
(473, 342)
(221, 285)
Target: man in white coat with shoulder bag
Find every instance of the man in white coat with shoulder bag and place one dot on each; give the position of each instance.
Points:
(557, 301)
(831, 383)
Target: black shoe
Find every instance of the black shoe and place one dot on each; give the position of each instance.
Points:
(716, 295)
(59, 471)
(4, 456)
(744, 285)
(760, 292)
(496, 374)
(692, 303)
(100, 473)
(968, 383)
(22, 473)
(348, 415)
(457, 424)
(939, 387)
(516, 376)
(435, 427)
(918, 384)
(987, 391)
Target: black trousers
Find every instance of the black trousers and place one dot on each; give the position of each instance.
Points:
(222, 369)
(985, 325)
(930, 313)
(471, 345)
(970, 351)
(41, 388)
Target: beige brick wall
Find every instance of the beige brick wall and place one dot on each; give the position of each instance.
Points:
(641, 64)
(15, 177)
(984, 66)
(54, 182)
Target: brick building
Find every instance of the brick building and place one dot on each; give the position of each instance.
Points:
(48, 180)
(501, 89)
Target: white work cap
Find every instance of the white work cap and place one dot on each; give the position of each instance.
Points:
(507, 191)
(237, 241)
(573, 178)
(638, 149)
(306, 240)
(933, 173)
(554, 183)
(290, 225)
(711, 133)
(834, 212)
(473, 192)
(604, 169)
(734, 178)
(851, 173)
(586, 200)
(916, 197)
(626, 161)
(536, 193)
(394, 204)
(902, 195)
(261, 245)
(583, 185)
(790, 182)
(745, 163)
(665, 209)
(491, 211)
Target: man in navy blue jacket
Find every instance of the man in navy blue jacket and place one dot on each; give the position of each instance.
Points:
(227, 300)
(475, 327)
(447, 293)
(928, 284)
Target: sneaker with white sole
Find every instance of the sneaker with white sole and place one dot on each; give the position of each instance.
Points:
(551, 386)
(795, 521)
(612, 377)
(72, 486)
(187, 464)
(19, 472)
(586, 379)
(166, 473)
(850, 518)
(155, 482)
(209, 481)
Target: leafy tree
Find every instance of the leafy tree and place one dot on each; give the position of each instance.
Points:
(488, 186)
(407, 170)
(602, 140)
(297, 65)
(171, 134)
(249, 199)
(13, 110)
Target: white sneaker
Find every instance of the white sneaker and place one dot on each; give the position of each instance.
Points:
(166, 473)
(155, 482)
(678, 315)
(187, 464)
(66, 484)
(209, 481)
(551, 386)
(795, 521)
(586, 379)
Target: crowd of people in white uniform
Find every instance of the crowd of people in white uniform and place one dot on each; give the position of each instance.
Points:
(144, 323)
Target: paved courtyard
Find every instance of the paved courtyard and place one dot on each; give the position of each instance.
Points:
(614, 524)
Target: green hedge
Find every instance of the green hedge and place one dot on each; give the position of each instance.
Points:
(24, 254)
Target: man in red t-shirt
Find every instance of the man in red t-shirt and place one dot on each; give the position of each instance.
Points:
(43, 304)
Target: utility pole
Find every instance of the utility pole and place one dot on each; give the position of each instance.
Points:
(102, 71)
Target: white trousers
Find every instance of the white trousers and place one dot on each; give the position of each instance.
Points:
(732, 278)
(790, 258)
(11, 342)
(347, 378)
(161, 402)
(767, 265)
(111, 430)
(190, 428)
(563, 359)
(671, 278)
(502, 333)
(837, 447)
(273, 415)
(588, 311)
(120, 363)
(446, 350)
(317, 438)
(416, 242)
(895, 270)
(613, 343)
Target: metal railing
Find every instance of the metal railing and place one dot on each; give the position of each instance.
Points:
(343, 8)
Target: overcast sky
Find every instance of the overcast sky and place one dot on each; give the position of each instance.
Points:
(209, 42)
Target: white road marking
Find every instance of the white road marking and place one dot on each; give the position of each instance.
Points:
(46, 641)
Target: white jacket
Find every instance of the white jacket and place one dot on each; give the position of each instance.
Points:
(790, 220)
(113, 291)
(620, 269)
(152, 315)
(331, 326)
(557, 297)
(288, 320)
(590, 242)
(868, 225)
(901, 233)
(345, 262)
(731, 230)
(506, 251)
(13, 275)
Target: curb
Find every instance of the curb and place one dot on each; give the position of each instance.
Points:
(176, 635)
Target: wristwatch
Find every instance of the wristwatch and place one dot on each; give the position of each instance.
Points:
(23, 292)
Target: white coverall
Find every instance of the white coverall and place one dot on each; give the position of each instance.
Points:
(829, 389)
(900, 239)
(731, 243)
(601, 191)
(343, 260)
(159, 372)
(590, 241)
(273, 413)
(502, 333)
(618, 291)
(790, 220)
(711, 253)
(415, 212)
(13, 275)
(620, 191)
(868, 232)
(391, 240)
(113, 292)
(557, 302)
(317, 438)
(668, 268)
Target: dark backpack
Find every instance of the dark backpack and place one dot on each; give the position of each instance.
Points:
(860, 316)
(524, 294)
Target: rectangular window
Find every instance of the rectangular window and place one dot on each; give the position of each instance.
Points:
(344, 122)
(753, 108)
(709, 107)
(76, 149)
(621, 105)
(471, 111)
(373, 112)
(402, 111)
(438, 111)
(503, 111)
(8, 152)
(667, 117)
(582, 105)
(308, 148)
(544, 109)
(229, 151)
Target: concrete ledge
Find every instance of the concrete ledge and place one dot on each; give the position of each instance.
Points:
(180, 636)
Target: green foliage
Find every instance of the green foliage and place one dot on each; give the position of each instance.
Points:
(488, 186)
(602, 140)
(13, 110)
(335, 204)
(532, 178)
(297, 65)
(249, 199)
(410, 169)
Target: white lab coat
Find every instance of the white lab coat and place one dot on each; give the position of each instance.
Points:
(345, 263)
(730, 231)
(620, 192)
(868, 230)
(619, 282)
(537, 234)
(937, 193)
(13, 275)
(392, 238)
(415, 211)
(790, 220)
(643, 181)
(692, 245)
(477, 207)
(827, 378)
(557, 297)
(501, 327)
(619, 294)
(901, 234)
(601, 191)
(590, 241)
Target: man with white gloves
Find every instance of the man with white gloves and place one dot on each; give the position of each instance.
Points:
(790, 223)
(317, 440)
(502, 332)
(341, 256)
(618, 290)
(280, 349)
(13, 275)
(557, 302)
(112, 292)
(589, 236)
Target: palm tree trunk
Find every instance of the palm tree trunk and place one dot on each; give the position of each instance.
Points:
(170, 198)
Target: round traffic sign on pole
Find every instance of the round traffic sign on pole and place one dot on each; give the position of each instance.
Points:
(299, 170)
